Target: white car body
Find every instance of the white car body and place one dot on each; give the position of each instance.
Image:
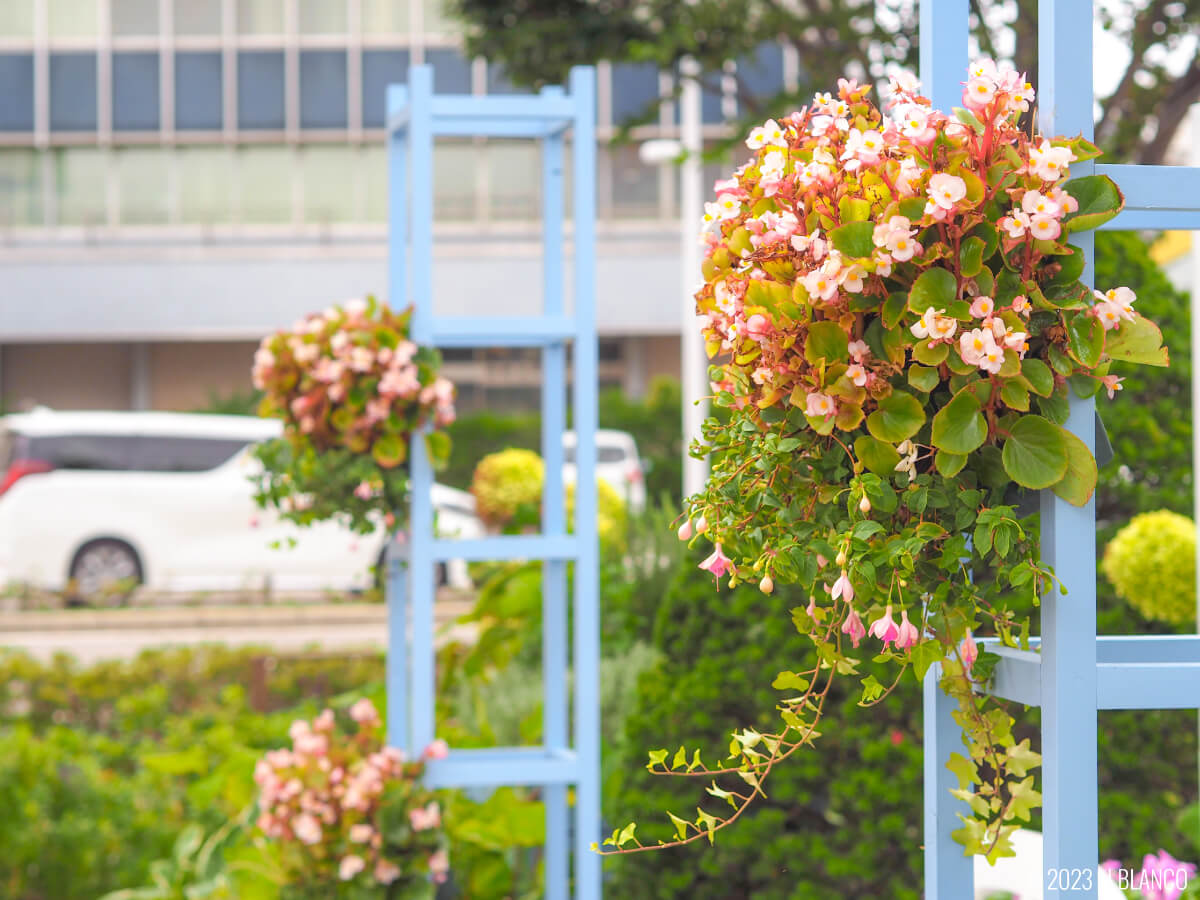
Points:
(195, 530)
(617, 463)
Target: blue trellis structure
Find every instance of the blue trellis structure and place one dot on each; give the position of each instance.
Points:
(567, 764)
(1073, 673)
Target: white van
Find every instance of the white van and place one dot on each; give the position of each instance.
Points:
(93, 500)
(617, 462)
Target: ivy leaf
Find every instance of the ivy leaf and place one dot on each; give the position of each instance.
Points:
(924, 655)
(1139, 341)
(898, 418)
(1020, 759)
(790, 681)
(1085, 339)
(826, 341)
(657, 758)
(959, 426)
(854, 239)
(1099, 201)
(878, 456)
(963, 769)
(681, 825)
(1079, 483)
(1035, 454)
(934, 288)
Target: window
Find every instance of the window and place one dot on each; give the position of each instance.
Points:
(329, 174)
(514, 180)
(128, 453)
(499, 83)
(635, 184)
(762, 72)
(197, 18)
(16, 74)
(261, 16)
(437, 17)
(16, 18)
(20, 188)
(205, 184)
(72, 18)
(73, 91)
(451, 71)
(322, 17)
(142, 183)
(198, 91)
(634, 90)
(323, 89)
(454, 182)
(183, 454)
(373, 162)
(134, 17)
(265, 185)
(379, 69)
(260, 89)
(135, 91)
(80, 186)
(385, 16)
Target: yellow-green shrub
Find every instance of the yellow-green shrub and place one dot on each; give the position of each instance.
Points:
(1152, 564)
(506, 482)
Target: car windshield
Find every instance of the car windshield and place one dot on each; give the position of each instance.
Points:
(604, 454)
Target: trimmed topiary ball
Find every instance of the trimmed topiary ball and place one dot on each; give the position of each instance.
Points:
(508, 487)
(1152, 564)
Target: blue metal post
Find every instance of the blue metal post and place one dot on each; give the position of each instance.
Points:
(555, 710)
(587, 613)
(943, 50)
(1069, 775)
(949, 873)
(421, 568)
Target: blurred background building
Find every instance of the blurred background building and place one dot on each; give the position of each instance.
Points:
(179, 177)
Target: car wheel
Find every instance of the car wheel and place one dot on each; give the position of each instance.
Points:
(104, 568)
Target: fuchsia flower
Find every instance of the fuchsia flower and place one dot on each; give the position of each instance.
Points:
(853, 626)
(908, 635)
(424, 818)
(350, 866)
(718, 563)
(439, 865)
(884, 627)
(969, 651)
(842, 588)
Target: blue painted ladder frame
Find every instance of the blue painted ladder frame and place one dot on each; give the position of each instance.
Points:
(1075, 673)
(568, 758)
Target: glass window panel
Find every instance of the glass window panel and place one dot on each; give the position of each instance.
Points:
(198, 90)
(514, 180)
(328, 174)
(710, 100)
(635, 185)
(454, 181)
(72, 18)
(142, 185)
(260, 89)
(20, 188)
(385, 16)
(322, 16)
(379, 69)
(265, 185)
(73, 91)
(135, 91)
(499, 83)
(260, 16)
(16, 18)
(451, 71)
(205, 185)
(374, 163)
(16, 75)
(438, 18)
(762, 72)
(80, 185)
(197, 18)
(634, 90)
(131, 17)
(323, 89)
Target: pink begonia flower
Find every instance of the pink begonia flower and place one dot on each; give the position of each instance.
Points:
(1045, 228)
(769, 133)
(904, 82)
(1065, 201)
(1111, 867)
(363, 712)
(821, 283)
(350, 866)
(908, 635)
(324, 722)
(439, 865)
(978, 348)
(916, 125)
(820, 405)
(1021, 305)
(364, 490)
(982, 307)
(718, 563)
(842, 588)
(1050, 163)
(306, 828)
(935, 326)
(361, 833)
(758, 327)
(853, 626)
(439, 749)
(859, 351)
(884, 627)
(969, 651)
(1038, 204)
(386, 872)
(426, 817)
(1162, 877)
(1016, 225)
(1112, 383)
(857, 374)
(908, 179)
(298, 727)
(946, 190)
(978, 93)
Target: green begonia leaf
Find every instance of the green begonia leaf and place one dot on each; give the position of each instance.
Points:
(1035, 454)
(899, 417)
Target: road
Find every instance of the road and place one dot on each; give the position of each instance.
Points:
(93, 635)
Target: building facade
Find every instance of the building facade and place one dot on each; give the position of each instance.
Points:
(180, 177)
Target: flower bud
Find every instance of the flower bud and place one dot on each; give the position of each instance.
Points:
(864, 505)
(841, 559)
(701, 525)
(685, 530)
(767, 585)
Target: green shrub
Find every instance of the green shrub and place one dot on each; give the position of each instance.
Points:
(1152, 564)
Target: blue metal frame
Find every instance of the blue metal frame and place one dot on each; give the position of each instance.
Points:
(1074, 673)
(569, 758)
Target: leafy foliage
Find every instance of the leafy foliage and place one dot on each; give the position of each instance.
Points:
(1152, 564)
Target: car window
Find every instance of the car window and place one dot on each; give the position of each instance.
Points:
(103, 452)
(184, 454)
(129, 453)
(610, 454)
(7, 442)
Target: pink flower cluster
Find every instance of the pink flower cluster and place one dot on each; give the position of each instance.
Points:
(350, 375)
(1162, 877)
(327, 792)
